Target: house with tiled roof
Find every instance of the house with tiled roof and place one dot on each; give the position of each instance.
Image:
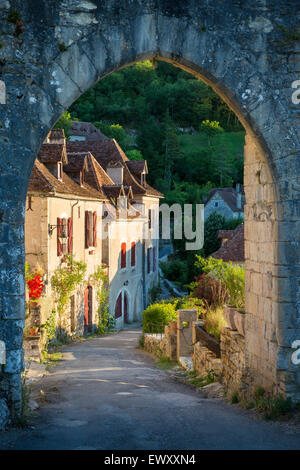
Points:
(84, 200)
(232, 245)
(228, 202)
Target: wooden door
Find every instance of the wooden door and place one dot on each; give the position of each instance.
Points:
(125, 308)
(88, 308)
(118, 308)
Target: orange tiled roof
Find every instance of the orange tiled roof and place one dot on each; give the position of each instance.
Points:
(232, 250)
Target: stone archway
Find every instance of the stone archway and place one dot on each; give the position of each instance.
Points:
(56, 51)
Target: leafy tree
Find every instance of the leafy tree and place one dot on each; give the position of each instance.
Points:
(65, 123)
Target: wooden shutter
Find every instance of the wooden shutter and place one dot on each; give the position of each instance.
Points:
(133, 254)
(154, 258)
(87, 229)
(123, 255)
(70, 235)
(95, 228)
(59, 233)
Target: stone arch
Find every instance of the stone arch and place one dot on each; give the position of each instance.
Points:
(67, 47)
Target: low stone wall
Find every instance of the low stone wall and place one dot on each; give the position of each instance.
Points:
(234, 371)
(204, 360)
(161, 344)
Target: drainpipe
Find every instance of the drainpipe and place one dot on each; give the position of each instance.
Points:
(72, 211)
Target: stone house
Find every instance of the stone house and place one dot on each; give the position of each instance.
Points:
(228, 202)
(79, 195)
(130, 245)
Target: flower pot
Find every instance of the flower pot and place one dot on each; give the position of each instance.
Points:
(173, 327)
(239, 321)
(229, 313)
(33, 331)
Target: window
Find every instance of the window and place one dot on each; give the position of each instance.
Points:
(216, 204)
(132, 253)
(64, 236)
(90, 229)
(59, 170)
(150, 219)
(123, 255)
(149, 252)
(154, 258)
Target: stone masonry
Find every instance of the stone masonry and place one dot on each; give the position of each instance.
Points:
(54, 51)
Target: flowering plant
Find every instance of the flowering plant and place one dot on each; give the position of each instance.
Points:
(35, 284)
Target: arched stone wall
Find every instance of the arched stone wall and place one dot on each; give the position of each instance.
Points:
(57, 50)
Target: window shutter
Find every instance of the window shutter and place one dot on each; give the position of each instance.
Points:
(87, 229)
(95, 228)
(59, 233)
(154, 258)
(123, 255)
(70, 235)
(133, 254)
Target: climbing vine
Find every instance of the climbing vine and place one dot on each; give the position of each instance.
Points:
(65, 280)
(49, 328)
(105, 320)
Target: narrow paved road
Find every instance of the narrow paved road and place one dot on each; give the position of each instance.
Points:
(106, 394)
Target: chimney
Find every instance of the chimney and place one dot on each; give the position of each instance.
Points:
(115, 171)
(239, 201)
(237, 187)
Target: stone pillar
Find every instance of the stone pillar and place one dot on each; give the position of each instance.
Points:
(185, 319)
(12, 298)
(261, 295)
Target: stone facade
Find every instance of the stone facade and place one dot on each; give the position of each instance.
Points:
(249, 61)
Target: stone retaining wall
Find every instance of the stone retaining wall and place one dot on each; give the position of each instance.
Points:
(204, 360)
(161, 344)
(234, 372)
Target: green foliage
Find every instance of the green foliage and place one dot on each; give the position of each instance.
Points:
(49, 327)
(175, 270)
(157, 316)
(14, 16)
(65, 123)
(106, 321)
(134, 154)
(22, 420)
(154, 292)
(272, 407)
(209, 377)
(165, 363)
(235, 398)
(114, 131)
(160, 104)
(231, 275)
(65, 280)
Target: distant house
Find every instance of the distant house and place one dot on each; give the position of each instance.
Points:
(232, 245)
(228, 202)
(85, 132)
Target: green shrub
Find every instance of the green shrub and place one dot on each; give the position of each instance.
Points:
(175, 270)
(157, 316)
(272, 407)
(231, 275)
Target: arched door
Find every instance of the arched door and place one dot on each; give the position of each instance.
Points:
(125, 308)
(118, 307)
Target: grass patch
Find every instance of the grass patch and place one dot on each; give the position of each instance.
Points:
(214, 320)
(165, 363)
(22, 420)
(51, 359)
(272, 407)
(235, 398)
(208, 378)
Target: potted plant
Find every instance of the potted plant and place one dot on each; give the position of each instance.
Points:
(33, 331)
